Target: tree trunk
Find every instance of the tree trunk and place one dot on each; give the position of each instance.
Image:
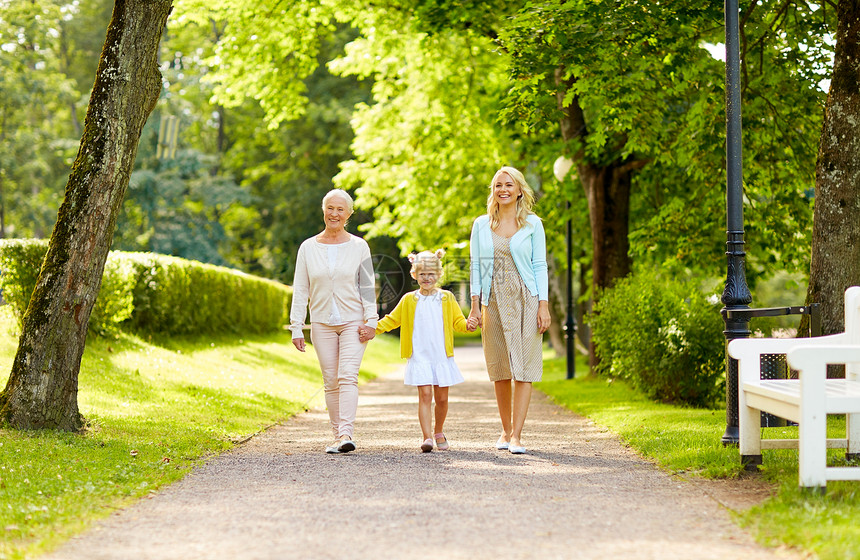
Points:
(43, 386)
(583, 330)
(835, 234)
(607, 189)
(556, 306)
(608, 192)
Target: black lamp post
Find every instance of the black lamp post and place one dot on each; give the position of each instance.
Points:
(560, 169)
(736, 295)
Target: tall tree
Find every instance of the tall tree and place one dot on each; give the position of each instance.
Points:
(42, 389)
(835, 261)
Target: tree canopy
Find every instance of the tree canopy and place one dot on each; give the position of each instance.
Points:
(414, 105)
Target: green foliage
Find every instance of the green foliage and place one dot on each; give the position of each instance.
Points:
(36, 133)
(287, 171)
(177, 296)
(177, 207)
(663, 336)
(20, 263)
(651, 92)
(115, 302)
(266, 52)
(427, 147)
(160, 294)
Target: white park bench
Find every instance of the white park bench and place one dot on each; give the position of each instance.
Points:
(806, 400)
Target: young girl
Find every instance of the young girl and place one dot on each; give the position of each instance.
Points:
(427, 319)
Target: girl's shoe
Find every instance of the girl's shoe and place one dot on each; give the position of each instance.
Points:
(441, 445)
(502, 444)
(333, 447)
(427, 446)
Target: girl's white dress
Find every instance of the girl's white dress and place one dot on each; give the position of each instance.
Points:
(429, 363)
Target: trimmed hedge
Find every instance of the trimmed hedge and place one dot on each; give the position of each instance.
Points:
(150, 293)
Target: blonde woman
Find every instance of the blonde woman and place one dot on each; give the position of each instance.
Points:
(509, 289)
(334, 274)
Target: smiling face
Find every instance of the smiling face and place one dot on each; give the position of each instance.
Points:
(426, 278)
(336, 213)
(505, 190)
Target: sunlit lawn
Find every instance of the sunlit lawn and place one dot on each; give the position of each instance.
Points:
(154, 410)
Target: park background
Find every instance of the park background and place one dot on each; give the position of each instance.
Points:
(412, 106)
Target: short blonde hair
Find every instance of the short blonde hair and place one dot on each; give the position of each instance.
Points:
(425, 260)
(341, 193)
(524, 203)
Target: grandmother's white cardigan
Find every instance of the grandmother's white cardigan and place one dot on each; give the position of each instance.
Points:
(350, 284)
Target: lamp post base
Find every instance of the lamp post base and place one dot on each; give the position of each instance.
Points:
(731, 436)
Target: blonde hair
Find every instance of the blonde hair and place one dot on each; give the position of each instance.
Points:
(425, 260)
(341, 193)
(524, 203)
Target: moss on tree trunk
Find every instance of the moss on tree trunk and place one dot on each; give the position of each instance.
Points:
(43, 386)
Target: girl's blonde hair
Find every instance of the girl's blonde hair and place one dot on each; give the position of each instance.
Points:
(524, 202)
(427, 260)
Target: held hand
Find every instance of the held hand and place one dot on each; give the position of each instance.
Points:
(366, 333)
(474, 320)
(543, 317)
(299, 343)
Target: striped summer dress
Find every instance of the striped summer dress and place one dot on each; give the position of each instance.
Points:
(512, 343)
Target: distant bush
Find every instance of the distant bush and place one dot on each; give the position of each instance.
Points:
(20, 262)
(178, 296)
(664, 337)
(153, 293)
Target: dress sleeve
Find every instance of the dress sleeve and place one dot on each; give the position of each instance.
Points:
(301, 288)
(475, 262)
(539, 261)
(367, 286)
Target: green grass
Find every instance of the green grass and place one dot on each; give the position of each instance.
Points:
(155, 409)
(688, 440)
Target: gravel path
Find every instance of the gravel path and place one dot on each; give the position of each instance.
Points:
(578, 493)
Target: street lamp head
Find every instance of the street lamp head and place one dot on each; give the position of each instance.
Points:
(561, 167)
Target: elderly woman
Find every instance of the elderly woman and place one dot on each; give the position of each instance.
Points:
(334, 274)
(509, 289)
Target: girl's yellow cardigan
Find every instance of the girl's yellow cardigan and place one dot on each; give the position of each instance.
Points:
(403, 316)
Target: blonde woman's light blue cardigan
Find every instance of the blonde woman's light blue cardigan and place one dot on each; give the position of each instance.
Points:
(528, 248)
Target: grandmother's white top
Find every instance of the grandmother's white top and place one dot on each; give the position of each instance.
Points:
(348, 286)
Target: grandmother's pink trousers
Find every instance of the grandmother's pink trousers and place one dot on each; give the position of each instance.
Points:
(339, 352)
